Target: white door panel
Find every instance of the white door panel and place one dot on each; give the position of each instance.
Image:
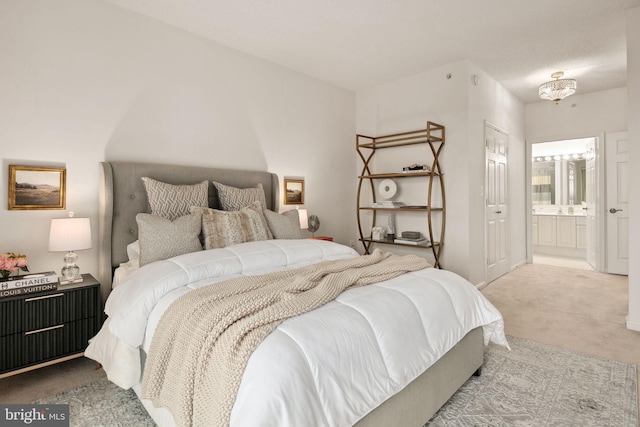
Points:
(617, 204)
(496, 210)
(592, 231)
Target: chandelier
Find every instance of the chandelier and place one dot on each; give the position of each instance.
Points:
(558, 89)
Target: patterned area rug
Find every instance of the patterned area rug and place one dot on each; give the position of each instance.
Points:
(540, 385)
(532, 385)
(101, 404)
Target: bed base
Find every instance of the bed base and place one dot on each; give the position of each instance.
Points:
(421, 399)
(417, 402)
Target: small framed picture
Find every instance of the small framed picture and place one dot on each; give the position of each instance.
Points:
(36, 188)
(294, 191)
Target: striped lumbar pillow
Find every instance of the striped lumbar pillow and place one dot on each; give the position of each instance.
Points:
(222, 228)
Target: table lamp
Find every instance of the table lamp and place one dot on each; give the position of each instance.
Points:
(304, 219)
(70, 234)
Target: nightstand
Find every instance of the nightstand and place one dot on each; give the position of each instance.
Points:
(49, 327)
(328, 238)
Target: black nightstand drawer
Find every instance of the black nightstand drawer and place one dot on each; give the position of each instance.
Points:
(46, 344)
(42, 311)
(49, 327)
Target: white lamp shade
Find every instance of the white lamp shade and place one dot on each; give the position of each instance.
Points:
(304, 219)
(70, 234)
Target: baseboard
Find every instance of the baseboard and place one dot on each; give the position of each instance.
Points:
(480, 286)
(559, 251)
(633, 325)
(518, 265)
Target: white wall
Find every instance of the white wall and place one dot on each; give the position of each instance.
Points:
(490, 101)
(592, 114)
(633, 84)
(462, 107)
(84, 81)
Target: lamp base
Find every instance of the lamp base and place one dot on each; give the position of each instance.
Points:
(70, 273)
(71, 281)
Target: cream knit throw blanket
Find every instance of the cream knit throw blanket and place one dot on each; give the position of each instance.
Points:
(204, 339)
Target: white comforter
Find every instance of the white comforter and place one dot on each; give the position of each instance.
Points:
(328, 367)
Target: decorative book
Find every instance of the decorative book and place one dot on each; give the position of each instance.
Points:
(28, 284)
(411, 234)
(388, 204)
(416, 168)
(410, 241)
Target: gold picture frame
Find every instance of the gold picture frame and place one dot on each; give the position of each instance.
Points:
(36, 188)
(293, 191)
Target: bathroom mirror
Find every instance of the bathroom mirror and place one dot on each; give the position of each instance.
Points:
(558, 182)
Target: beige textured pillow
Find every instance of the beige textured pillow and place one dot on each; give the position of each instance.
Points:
(161, 238)
(173, 201)
(222, 229)
(285, 225)
(234, 199)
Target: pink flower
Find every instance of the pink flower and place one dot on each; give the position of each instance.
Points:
(11, 262)
(6, 262)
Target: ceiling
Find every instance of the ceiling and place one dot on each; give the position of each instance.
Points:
(356, 44)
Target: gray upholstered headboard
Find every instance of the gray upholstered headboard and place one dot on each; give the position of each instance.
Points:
(122, 196)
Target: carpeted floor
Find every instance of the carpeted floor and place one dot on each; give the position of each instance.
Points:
(532, 385)
(579, 310)
(539, 385)
(101, 404)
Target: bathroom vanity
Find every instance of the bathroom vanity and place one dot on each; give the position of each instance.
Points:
(559, 234)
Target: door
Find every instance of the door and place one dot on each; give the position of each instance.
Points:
(617, 207)
(496, 210)
(590, 198)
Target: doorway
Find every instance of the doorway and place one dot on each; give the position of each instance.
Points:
(496, 201)
(563, 187)
(617, 202)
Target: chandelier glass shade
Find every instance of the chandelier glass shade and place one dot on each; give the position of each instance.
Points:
(558, 89)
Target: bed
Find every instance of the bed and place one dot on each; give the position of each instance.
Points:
(420, 379)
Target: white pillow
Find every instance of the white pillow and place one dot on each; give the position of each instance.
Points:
(133, 253)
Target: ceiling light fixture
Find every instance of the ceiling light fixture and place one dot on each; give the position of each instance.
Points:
(558, 89)
(575, 156)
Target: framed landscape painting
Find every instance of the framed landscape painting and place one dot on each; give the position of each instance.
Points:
(34, 187)
(294, 191)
